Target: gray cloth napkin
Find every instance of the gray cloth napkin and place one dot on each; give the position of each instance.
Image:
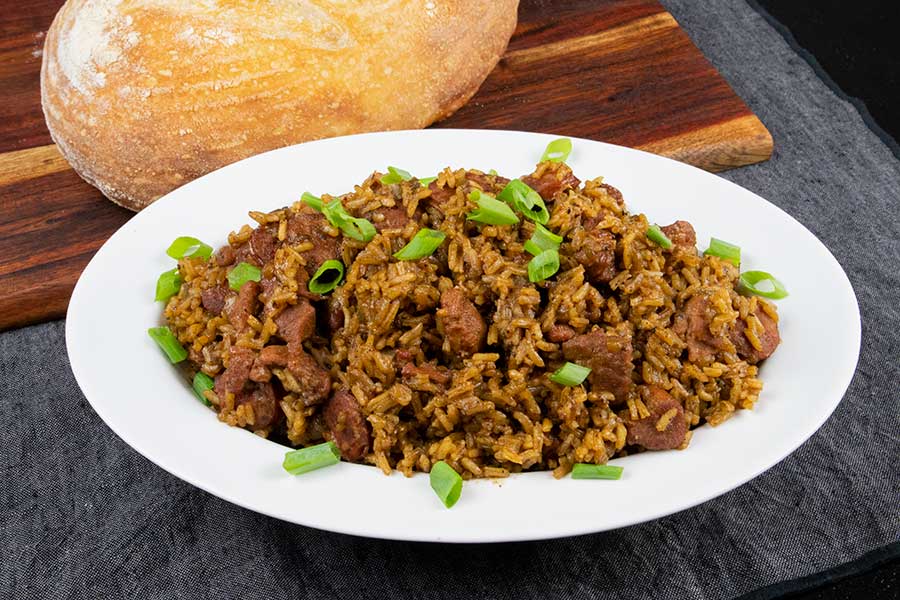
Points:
(84, 516)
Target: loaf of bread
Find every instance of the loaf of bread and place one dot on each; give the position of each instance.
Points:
(141, 96)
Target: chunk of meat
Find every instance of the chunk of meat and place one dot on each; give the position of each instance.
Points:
(433, 373)
(682, 235)
(313, 379)
(335, 314)
(274, 356)
(439, 195)
(296, 323)
(492, 184)
(552, 181)
(259, 372)
(595, 249)
(240, 306)
(389, 218)
(264, 242)
(225, 256)
(614, 193)
(652, 434)
(768, 339)
(692, 324)
(559, 333)
(461, 323)
(309, 226)
(304, 225)
(213, 299)
(266, 411)
(244, 254)
(344, 419)
(268, 285)
(609, 358)
(235, 377)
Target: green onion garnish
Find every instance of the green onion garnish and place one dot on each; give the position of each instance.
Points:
(656, 235)
(570, 374)
(426, 181)
(543, 265)
(168, 285)
(166, 340)
(395, 175)
(203, 382)
(423, 244)
(493, 172)
(490, 210)
(586, 471)
(724, 250)
(749, 280)
(312, 201)
(189, 247)
(241, 274)
(542, 239)
(446, 483)
(358, 229)
(353, 227)
(558, 150)
(327, 277)
(304, 460)
(525, 200)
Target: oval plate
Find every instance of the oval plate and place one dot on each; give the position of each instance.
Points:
(146, 402)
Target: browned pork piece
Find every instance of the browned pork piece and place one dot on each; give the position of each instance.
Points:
(665, 428)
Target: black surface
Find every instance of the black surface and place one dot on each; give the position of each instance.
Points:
(874, 576)
(857, 45)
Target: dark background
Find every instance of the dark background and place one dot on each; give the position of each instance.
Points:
(856, 44)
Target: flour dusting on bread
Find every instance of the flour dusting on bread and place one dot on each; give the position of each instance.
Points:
(142, 96)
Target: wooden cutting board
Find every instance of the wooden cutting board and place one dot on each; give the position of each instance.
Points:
(620, 71)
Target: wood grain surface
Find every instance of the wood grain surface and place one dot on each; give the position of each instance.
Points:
(620, 71)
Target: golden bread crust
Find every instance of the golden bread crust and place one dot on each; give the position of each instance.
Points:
(142, 96)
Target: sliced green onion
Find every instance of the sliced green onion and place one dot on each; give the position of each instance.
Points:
(334, 212)
(203, 382)
(168, 285)
(359, 229)
(304, 460)
(543, 265)
(189, 247)
(395, 175)
(655, 234)
(423, 244)
(586, 471)
(542, 239)
(749, 281)
(525, 200)
(241, 274)
(426, 181)
(327, 277)
(446, 483)
(570, 374)
(724, 250)
(558, 150)
(312, 201)
(532, 248)
(490, 210)
(353, 227)
(166, 340)
(493, 172)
